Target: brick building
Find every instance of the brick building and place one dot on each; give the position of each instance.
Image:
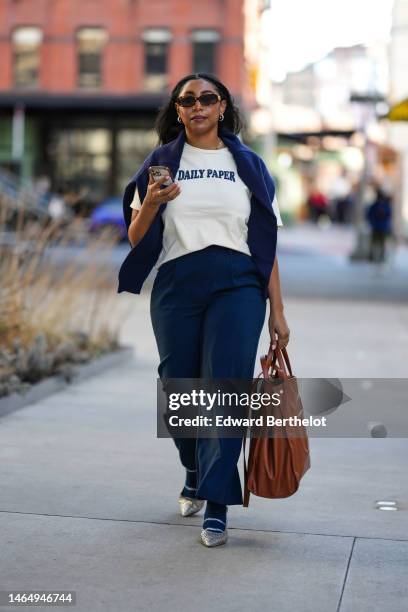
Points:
(81, 80)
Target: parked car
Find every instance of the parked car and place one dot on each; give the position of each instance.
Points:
(109, 214)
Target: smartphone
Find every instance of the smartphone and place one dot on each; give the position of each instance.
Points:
(158, 172)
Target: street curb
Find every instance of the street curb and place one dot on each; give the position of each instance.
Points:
(56, 383)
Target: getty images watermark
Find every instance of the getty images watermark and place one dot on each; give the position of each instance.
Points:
(222, 399)
(229, 407)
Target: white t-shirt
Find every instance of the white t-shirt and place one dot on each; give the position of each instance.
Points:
(213, 206)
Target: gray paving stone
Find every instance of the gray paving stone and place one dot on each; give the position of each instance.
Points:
(119, 566)
(377, 577)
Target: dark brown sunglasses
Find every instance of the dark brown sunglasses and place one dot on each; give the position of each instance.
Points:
(206, 99)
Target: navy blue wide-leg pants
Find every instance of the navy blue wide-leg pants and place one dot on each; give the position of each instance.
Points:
(208, 310)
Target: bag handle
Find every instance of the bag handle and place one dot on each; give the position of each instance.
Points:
(280, 356)
(270, 364)
(246, 490)
(282, 352)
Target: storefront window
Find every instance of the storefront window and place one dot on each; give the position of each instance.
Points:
(97, 162)
(133, 146)
(82, 161)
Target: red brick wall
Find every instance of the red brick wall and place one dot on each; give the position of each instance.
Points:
(124, 21)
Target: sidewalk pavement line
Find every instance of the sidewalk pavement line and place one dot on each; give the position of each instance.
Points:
(346, 576)
(137, 521)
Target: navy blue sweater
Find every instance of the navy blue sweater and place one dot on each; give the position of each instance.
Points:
(262, 222)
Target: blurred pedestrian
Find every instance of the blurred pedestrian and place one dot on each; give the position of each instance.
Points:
(317, 204)
(379, 215)
(343, 209)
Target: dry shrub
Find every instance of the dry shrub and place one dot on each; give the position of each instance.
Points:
(57, 296)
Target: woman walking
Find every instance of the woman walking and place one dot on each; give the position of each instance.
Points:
(212, 236)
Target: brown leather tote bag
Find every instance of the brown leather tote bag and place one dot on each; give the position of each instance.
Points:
(277, 464)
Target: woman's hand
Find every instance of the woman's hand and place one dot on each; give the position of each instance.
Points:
(143, 218)
(156, 196)
(278, 329)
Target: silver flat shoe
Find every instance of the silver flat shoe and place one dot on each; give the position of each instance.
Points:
(211, 538)
(190, 506)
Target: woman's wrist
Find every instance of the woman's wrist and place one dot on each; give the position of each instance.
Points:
(151, 205)
(275, 308)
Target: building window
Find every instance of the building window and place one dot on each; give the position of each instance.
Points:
(204, 50)
(156, 45)
(90, 43)
(26, 43)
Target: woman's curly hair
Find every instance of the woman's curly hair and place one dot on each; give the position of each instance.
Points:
(166, 124)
